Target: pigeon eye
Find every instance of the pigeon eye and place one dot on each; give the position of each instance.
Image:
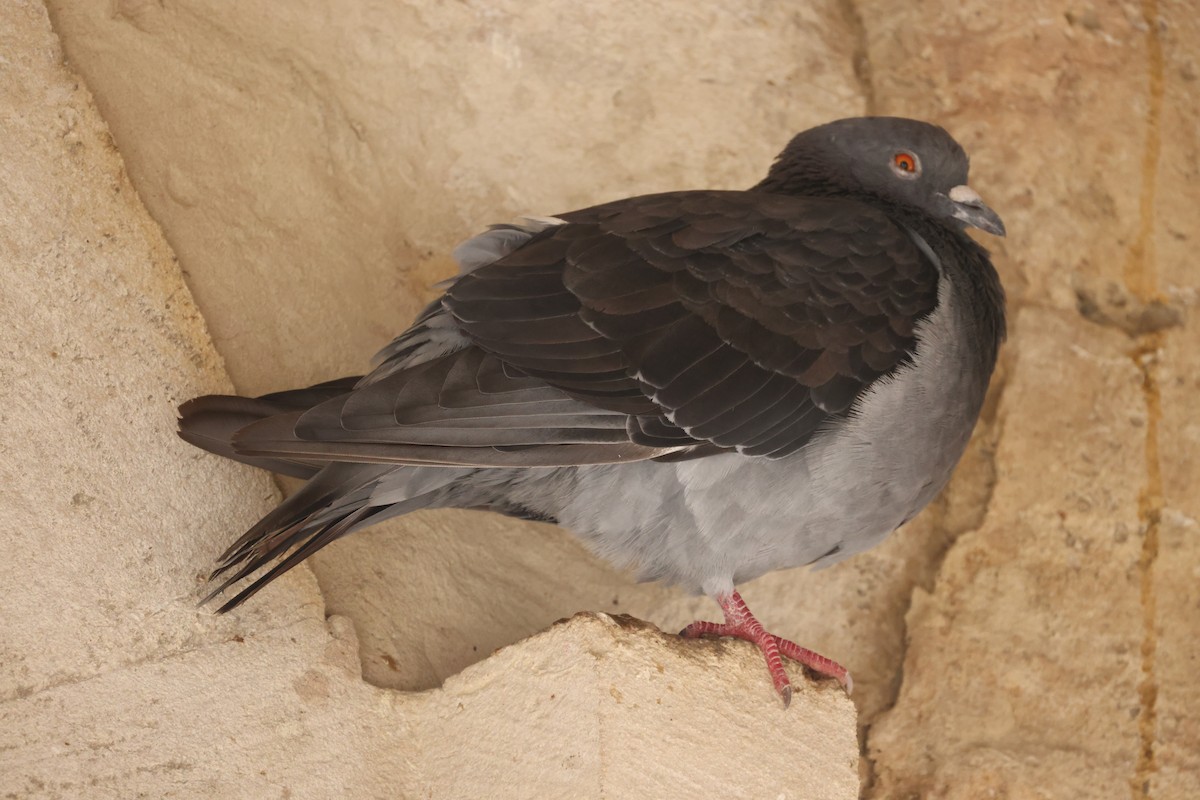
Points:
(906, 165)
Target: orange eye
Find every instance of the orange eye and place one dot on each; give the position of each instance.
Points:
(905, 163)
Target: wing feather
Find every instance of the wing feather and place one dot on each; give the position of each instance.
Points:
(679, 324)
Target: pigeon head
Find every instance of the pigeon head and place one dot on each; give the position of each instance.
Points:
(902, 162)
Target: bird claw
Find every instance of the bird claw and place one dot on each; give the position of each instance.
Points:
(741, 624)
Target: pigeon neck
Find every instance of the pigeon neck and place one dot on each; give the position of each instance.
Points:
(800, 178)
(972, 277)
(803, 179)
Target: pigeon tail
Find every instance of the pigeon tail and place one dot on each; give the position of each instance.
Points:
(335, 502)
(210, 422)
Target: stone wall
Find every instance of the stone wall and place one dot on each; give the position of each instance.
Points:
(311, 164)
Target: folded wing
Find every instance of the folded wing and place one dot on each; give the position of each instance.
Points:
(660, 326)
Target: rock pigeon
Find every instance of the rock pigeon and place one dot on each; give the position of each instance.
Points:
(703, 385)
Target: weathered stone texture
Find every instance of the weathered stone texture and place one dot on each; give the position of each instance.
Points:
(329, 155)
(1034, 634)
(1172, 593)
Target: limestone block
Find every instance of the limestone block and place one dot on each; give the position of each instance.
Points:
(592, 707)
(107, 521)
(114, 684)
(1172, 593)
(1087, 115)
(622, 710)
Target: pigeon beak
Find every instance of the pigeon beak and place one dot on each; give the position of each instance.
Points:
(968, 207)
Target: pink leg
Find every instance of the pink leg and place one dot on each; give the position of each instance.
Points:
(740, 623)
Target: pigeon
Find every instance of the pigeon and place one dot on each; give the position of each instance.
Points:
(703, 385)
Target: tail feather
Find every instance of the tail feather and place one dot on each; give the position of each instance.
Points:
(210, 422)
(316, 539)
(337, 501)
(303, 539)
(260, 540)
(298, 516)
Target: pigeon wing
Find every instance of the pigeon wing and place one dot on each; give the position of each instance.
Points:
(740, 320)
(657, 326)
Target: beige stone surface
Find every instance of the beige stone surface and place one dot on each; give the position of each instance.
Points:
(112, 682)
(312, 165)
(1172, 596)
(589, 708)
(101, 341)
(597, 707)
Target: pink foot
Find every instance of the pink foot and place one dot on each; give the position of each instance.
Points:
(740, 623)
